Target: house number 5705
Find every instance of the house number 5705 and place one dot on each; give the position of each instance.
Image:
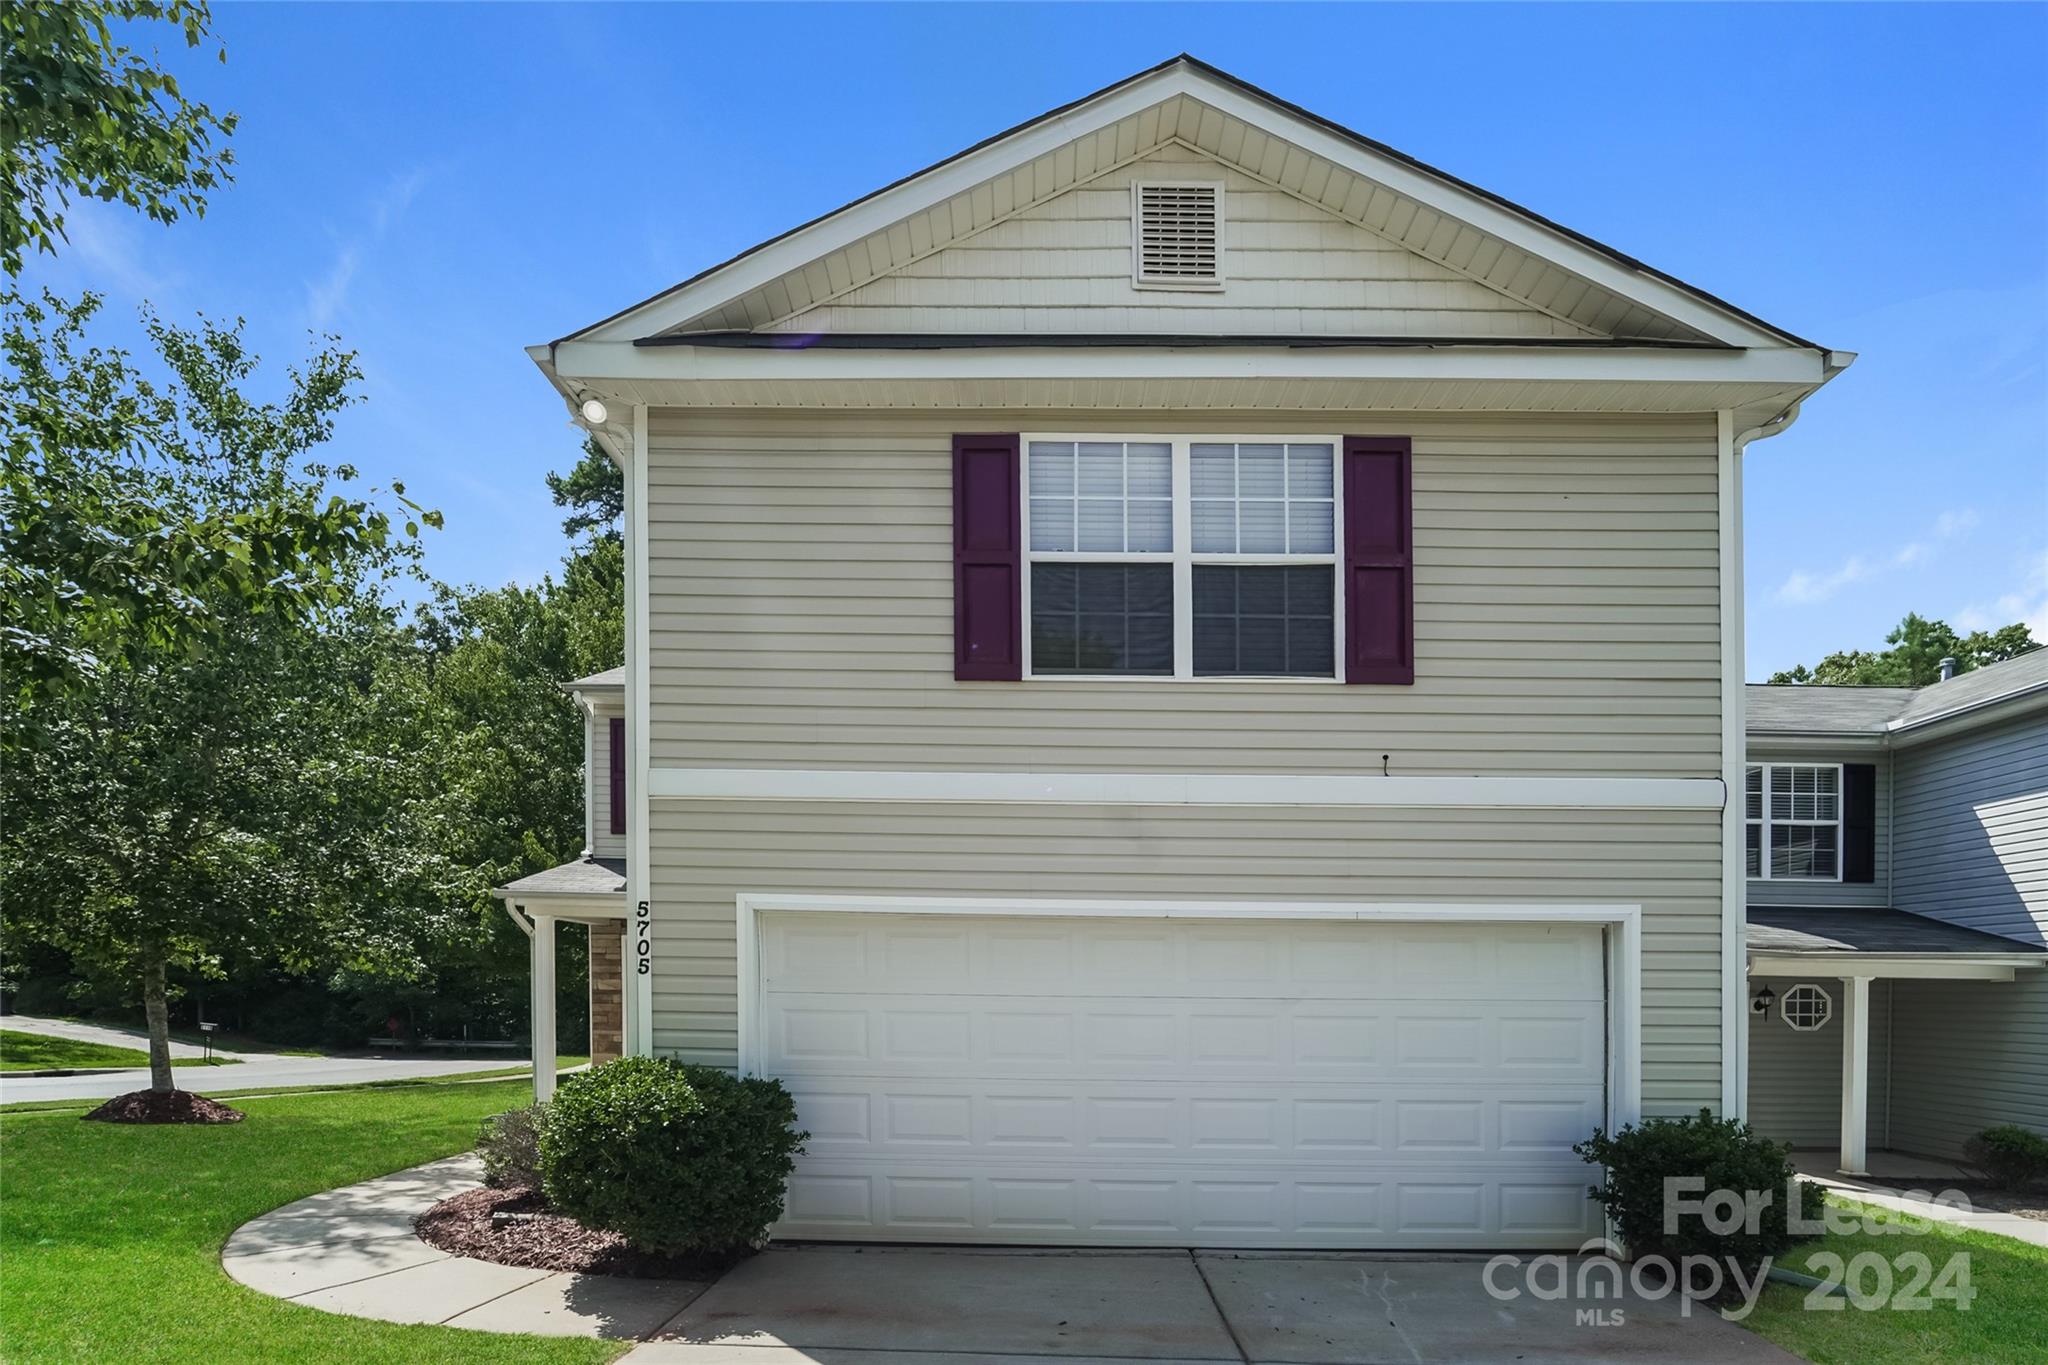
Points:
(643, 943)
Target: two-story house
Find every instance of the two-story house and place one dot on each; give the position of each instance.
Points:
(1183, 683)
(1898, 911)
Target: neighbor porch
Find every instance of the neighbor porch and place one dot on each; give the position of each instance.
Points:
(590, 892)
(1840, 1000)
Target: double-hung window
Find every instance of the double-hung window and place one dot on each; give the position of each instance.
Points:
(1185, 557)
(1794, 814)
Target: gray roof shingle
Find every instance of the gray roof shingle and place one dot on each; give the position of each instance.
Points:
(586, 877)
(1816, 710)
(1783, 930)
(596, 682)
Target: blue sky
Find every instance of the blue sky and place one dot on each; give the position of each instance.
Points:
(442, 185)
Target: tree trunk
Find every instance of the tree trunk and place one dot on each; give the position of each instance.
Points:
(159, 1016)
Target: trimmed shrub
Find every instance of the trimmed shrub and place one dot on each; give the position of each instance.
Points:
(2009, 1155)
(1725, 1154)
(678, 1160)
(509, 1143)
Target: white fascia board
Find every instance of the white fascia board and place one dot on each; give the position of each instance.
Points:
(595, 363)
(891, 206)
(1184, 789)
(613, 440)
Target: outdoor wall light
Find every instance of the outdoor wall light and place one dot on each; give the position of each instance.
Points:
(594, 411)
(1762, 1004)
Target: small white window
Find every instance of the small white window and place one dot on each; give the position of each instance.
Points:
(1177, 235)
(1793, 813)
(1806, 1008)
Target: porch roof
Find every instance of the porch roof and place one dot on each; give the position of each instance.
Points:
(1796, 931)
(585, 877)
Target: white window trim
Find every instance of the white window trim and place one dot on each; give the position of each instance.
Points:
(1763, 823)
(1183, 557)
(1827, 1015)
(1139, 280)
(1622, 925)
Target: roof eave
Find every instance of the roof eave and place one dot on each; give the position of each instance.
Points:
(1184, 74)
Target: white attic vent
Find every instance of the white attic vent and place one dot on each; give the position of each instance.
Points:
(1177, 235)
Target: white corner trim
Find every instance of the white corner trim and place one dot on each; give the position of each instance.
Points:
(1734, 765)
(636, 992)
(1185, 789)
(1624, 948)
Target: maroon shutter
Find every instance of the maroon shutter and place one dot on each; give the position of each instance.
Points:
(617, 746)
(988, 598)
(1379, 574)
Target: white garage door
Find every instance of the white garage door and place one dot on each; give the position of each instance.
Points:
(1185, 1082)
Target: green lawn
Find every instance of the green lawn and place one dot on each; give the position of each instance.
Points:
(2005, 1323)
(111, 1233)
(40, 1052)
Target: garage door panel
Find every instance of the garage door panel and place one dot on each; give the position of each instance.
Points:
(1210, 958)
(1072, 1036)
(898, 1120)
(1185, 1081)
(1060, 1205)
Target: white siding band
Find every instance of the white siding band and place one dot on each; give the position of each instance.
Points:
(1185, 789)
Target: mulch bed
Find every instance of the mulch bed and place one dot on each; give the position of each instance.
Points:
(462, 1226)
(1983, 1195)
(163, 1106)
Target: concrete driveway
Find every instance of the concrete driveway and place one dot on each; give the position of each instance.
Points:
(860, 1305)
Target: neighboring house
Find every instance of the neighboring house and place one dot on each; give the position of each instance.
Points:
(590, 891)
(1898, 911)
(1183, 675)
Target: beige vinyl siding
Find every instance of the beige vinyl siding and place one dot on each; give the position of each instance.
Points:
(1810, 892)
(1566, 620)
(1289, 267)
(1795, 1079)
(705, 853)
(1968, 1055)
(1972, 816)
(598, 790)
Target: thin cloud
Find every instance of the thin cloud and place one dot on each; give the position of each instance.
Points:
(2028, 604)
(1807, 587)
(327, 296)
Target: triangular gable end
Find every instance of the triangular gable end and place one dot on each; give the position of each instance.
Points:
(1064, 267)
(902, 259)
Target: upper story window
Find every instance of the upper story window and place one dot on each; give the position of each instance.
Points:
(1177, 235)
(1794, 813)
(1181, 557)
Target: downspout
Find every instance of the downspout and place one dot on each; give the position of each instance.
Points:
(519, 918)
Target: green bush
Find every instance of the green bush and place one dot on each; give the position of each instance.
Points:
(2009, 1155)
(1725, 1154)
(509, 1143)
(679, 1160)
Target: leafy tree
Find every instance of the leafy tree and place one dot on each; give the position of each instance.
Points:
(82, 114)
(595, 490)
(239, 785)
(1914, 660)
(139, 522)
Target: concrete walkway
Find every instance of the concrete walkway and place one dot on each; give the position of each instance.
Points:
(354, 1251)
(2031, 1230)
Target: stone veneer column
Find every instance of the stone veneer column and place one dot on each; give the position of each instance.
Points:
(607, 992)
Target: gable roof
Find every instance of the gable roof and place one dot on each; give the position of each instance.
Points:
(1483, 236)
(1874, 711)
